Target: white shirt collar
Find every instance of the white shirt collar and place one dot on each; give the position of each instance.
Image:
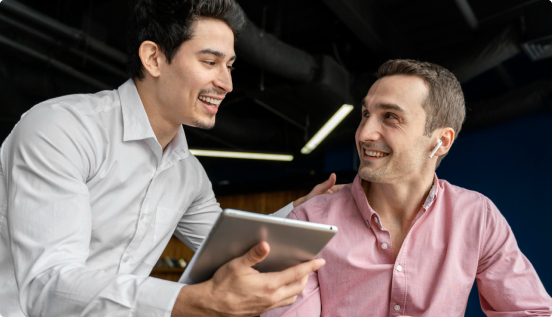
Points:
(136, 124)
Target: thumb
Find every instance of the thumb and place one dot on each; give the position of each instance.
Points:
(256, 254)
(323, 187)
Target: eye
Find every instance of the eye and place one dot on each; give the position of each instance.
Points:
(365, 113)
(390, 115)
(230, 68)
(210, 63)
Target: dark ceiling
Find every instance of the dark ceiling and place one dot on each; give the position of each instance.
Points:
(299, 61)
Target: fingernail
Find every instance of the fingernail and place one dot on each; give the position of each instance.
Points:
(321, 261)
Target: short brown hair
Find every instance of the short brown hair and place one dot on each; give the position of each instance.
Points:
(444, 105)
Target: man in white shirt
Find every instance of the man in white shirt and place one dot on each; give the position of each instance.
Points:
(93, 186)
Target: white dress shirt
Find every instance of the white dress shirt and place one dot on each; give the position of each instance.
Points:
(88, 202)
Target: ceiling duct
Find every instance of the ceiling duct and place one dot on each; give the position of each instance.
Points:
(488, 51)
(267, 52)
(320, 80)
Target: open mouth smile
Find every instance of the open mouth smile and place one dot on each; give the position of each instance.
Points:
(371, 153)
(210, 103)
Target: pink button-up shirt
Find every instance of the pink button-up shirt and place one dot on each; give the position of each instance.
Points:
(457, 237)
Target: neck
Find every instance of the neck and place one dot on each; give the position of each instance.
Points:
(163, 128)
(399, 203)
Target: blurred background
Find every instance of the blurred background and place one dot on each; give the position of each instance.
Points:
(298, 63)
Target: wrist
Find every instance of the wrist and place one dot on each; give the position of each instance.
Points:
(192, 301)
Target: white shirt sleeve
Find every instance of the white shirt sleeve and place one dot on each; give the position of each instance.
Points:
(46, 164)
(198, 220)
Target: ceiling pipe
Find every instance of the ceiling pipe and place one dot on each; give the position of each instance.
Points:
(54, 63)
(62, 29)
(53, 41)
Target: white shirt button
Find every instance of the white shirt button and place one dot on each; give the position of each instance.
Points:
(399, 268)
(125, 259)
(376, 219)
(384, 245)
(397, 307)
(368, 223)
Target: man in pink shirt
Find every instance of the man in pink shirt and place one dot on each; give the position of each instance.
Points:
(409, 243)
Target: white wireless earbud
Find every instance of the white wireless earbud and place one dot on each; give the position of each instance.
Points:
(439, 143)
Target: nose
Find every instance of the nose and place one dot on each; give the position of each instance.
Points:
(369, 130)
(224, 80)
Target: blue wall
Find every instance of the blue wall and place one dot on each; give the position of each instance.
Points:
(512, 165)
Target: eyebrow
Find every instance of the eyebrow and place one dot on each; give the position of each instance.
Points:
(386, 106)
(216, 53)
(390, 106)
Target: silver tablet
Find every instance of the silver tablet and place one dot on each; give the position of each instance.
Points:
(235, 232)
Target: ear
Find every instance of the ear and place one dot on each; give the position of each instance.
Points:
(151, 57)
(446, 135)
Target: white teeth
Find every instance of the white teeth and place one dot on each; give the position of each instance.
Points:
(210, 100)
(374, 153)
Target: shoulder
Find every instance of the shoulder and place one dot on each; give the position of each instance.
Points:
(457, 193)
(319, 207)
(464, 203)
(79, 104)
(73, 115)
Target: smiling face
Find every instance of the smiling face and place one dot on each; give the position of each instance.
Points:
(198, 78)
(390, 138)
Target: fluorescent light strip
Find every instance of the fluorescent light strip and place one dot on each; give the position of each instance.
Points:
(327, 128)
(243, 155)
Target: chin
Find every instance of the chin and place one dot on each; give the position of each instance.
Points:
(204, 124)
(373, 176)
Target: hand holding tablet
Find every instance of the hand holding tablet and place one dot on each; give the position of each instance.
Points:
(291, 242)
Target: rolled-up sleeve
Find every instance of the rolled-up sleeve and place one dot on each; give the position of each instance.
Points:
(46, 165)
(507, 282)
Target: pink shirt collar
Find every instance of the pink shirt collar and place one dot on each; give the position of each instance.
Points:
(367, 211)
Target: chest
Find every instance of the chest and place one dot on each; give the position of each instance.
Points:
(136, 201)
(378, 270)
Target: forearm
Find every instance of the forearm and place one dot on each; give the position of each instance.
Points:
(74, 290)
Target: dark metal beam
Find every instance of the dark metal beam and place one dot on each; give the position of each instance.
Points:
(53, 41)
(370, 24)
(467, 13)
(279, 114)
(60, 28)
(54, 63)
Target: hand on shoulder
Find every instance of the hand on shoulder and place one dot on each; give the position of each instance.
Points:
(327, 187)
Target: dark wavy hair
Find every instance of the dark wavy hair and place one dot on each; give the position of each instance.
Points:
(168, 23)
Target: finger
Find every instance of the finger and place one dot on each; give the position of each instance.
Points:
(294, 288)
(297, 272)
(255, 255)
(285, 302)
(334, 189)
(288, 293)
